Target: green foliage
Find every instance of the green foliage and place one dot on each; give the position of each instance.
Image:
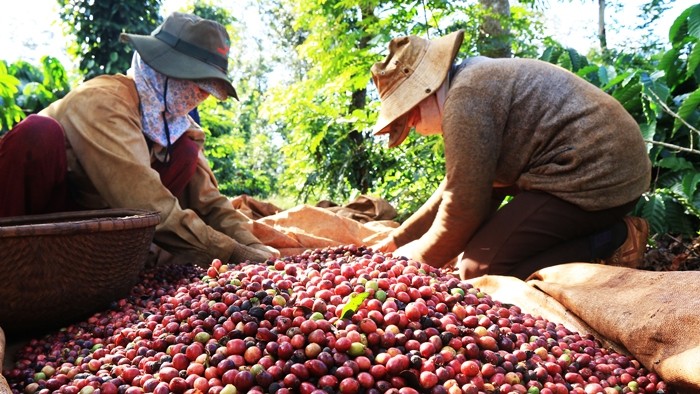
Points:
(663, 95)
(27, 89)
(326, 112)
(207, 10)
(671, 98)
(414, 170)
(309, 138)
(527, 35)
(242, 152)
(667, 213)
(10, 112)
(328, 153)
(40, 86)
(243, 163)
(96, 26)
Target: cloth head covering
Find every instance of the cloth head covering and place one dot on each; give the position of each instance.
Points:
(186, 46)
(159, 106)
(413, 70)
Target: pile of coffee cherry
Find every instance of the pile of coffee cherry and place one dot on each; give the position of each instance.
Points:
(332, 320)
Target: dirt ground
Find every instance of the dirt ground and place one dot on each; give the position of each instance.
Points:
(671, 253)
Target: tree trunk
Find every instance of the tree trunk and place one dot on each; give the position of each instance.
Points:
(494, 40)
(360, 163)
(601, 30)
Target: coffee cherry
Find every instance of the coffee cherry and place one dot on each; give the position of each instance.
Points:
(341, 319)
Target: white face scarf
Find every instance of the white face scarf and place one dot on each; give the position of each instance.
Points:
(164, 99)
(431, 109)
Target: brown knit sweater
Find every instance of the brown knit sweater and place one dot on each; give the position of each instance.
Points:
(530, 125)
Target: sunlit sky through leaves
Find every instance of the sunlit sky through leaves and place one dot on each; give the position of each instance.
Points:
(29, 29)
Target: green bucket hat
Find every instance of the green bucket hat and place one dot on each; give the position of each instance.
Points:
(186, 46)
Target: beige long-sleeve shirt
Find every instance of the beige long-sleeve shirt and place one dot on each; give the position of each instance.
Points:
(109, 166)
(530, 125)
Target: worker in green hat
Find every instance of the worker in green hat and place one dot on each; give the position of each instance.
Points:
(127, 141)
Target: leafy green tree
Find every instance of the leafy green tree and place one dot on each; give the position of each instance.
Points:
(27, 89)
(96, 26)
(10, 112)
(671, 108)
(327, 151)
(663, 95)
(243, 152)
(328, 104)
(40, 86)
(208, 10)
(494, 40)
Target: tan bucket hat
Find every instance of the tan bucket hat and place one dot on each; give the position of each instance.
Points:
(414, 69)
(186, 46)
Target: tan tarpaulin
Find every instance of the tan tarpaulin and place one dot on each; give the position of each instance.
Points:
(364, 221)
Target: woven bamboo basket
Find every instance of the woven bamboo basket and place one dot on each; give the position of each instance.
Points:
(57, 268)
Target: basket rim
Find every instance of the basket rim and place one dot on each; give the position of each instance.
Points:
(74, 222)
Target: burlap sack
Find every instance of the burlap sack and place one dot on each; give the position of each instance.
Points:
(654, 315)
(254, 208)
(306, 227)
(363, 209)
(4, 388)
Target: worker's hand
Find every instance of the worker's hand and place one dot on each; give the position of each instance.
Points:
(258, 253)
(268, 249)
(408, 250)
(411, 251)
(385, 246)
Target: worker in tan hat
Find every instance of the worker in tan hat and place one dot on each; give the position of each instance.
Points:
(127, 141)
(571, 157)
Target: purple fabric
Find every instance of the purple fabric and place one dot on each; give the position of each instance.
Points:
(33, 168)
(176, 174)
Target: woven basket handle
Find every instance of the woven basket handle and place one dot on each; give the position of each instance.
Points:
(72, 215)
(77, 221)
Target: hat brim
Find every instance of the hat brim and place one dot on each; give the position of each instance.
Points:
(424, 81)
(167, 61)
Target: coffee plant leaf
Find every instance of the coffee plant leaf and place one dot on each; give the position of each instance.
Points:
(356, 299)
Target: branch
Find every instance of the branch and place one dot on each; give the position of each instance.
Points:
(675, 115)
(675, 147)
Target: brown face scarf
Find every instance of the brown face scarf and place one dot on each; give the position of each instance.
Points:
(431, 109)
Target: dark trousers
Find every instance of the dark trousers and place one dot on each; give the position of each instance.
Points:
(33, 168)
(537, 230)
